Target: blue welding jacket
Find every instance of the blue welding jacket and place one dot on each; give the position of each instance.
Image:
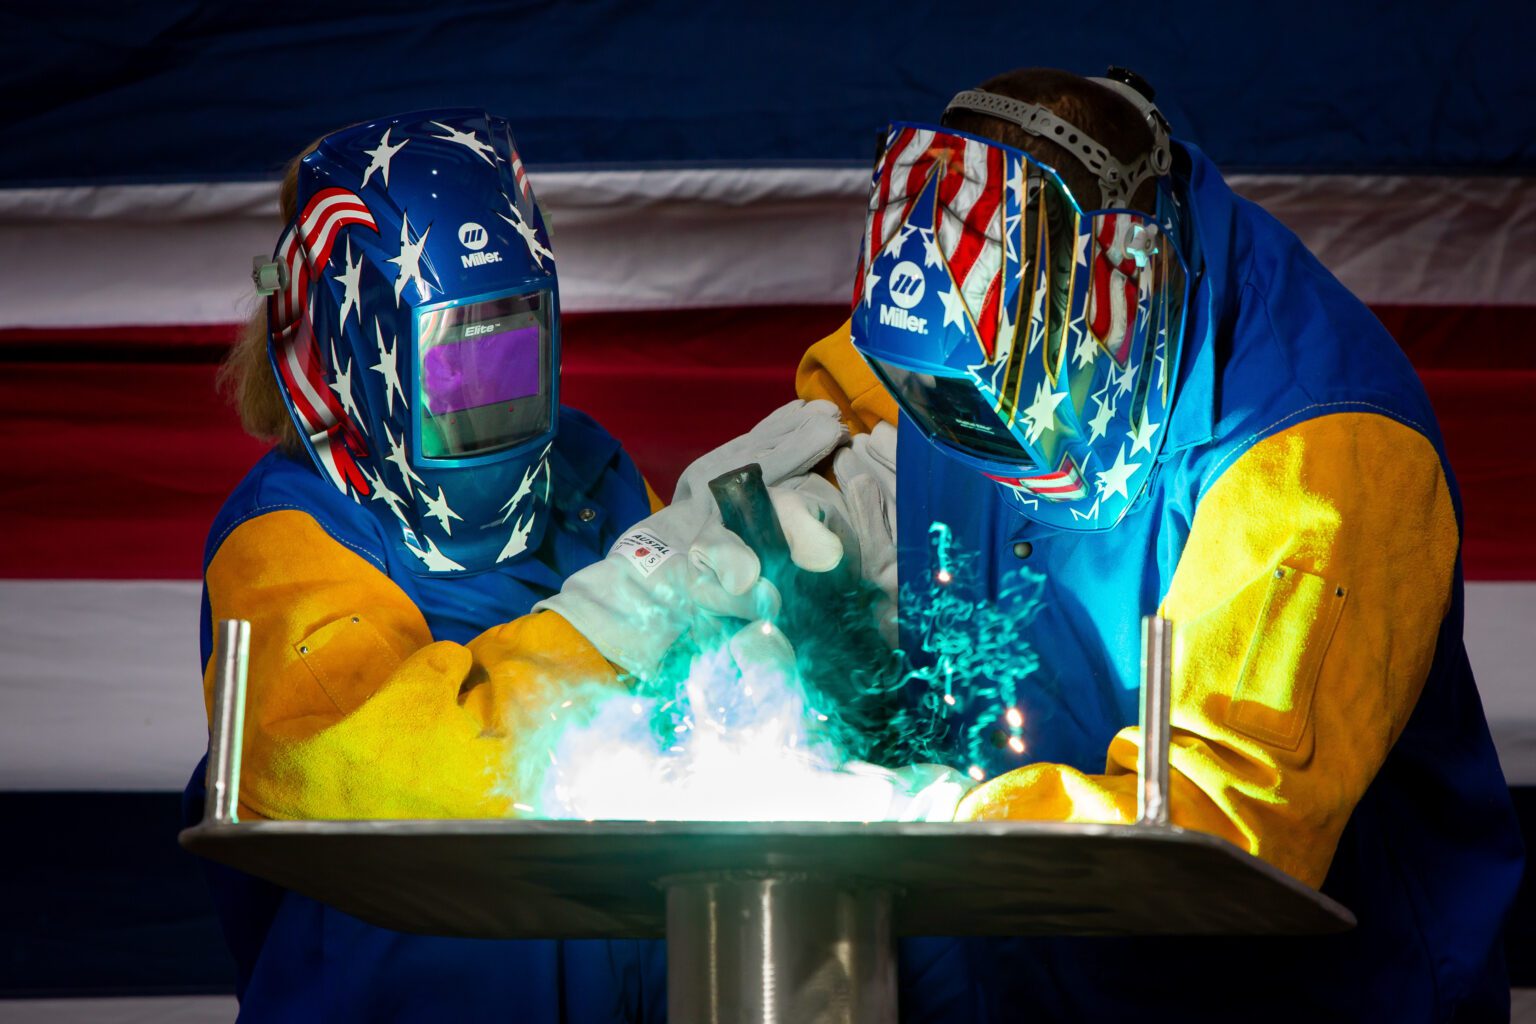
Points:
(1430, 859)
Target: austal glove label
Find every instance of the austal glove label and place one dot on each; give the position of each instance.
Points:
(644, 551)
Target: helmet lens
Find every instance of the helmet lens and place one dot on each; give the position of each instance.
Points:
(483, 375)
(952, 410)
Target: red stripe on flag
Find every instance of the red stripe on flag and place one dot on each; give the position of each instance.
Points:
(123, 480)
(1434, 337)
(917, 179)
(1101, 242)
(973, 239)
(987, 319)
(1054, 489)
(294, 383)
(329, 230)
(951, 169)
(1132, 294)
(314, 367)
(875, 239)
(1066, 473)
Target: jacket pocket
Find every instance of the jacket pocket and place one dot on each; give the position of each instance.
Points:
(349, 659)
(1273, 698)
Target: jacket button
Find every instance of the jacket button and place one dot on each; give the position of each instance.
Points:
(1023, 549)
(586, 515)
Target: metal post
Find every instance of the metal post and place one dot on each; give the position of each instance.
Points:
(1156, 707)
(232, 650)
(746, 948)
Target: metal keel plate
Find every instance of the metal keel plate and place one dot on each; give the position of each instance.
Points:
(569, 879)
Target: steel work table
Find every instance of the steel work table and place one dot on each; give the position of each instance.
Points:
(780, 921)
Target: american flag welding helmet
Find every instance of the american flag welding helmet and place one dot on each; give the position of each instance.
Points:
(1031, 339)
(413, 322)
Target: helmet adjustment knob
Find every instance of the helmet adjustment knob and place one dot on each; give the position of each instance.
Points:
(268, 275)
(1126, 76)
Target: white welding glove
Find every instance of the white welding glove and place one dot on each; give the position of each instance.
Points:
(928, 792)
(635, 604)
(760, 651)
(824, 524)
(918, 792)
(865, 471)
(726, 584)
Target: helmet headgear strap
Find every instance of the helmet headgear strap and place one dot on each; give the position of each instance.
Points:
(1117, 181)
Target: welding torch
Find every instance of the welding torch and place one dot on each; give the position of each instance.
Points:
(828, 616)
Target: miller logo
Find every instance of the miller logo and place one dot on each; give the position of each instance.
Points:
(479, 259)
(472, 236)
(906, 285)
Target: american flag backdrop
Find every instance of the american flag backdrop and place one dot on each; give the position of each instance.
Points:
(705, 172)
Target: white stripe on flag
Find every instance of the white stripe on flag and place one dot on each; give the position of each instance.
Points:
(317, 416)
(322, 442)
(982, 273)
(325, 236)
(327, 208)
(100, 685)
(292, 296)
(664, 239)
(901, 170)
(975, 181)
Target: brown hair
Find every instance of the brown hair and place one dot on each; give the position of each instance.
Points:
(1111, 119)
(246, 377)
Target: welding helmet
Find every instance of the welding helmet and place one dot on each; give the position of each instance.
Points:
(1029, 338)
(413, 323)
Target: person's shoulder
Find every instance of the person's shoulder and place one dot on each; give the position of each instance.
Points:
(583, 450)
(589, 464)
(1303, 347)
(276, 481)
(285, 482)
(1292, 342)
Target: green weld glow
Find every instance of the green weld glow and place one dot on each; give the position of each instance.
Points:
(745, 728)
(971, 662)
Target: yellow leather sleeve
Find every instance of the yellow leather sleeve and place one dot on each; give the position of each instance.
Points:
(1306, 609)
(832, 369)
(352, 711)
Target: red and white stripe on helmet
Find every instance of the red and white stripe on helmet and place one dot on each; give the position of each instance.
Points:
(336, 440)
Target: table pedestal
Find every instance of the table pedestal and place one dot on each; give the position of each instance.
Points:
(793, 947)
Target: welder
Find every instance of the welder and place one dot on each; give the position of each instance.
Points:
(1088, 383)
(425, 490)
(1105, 368)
